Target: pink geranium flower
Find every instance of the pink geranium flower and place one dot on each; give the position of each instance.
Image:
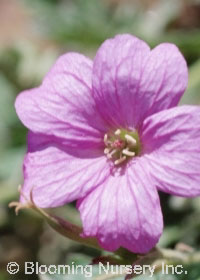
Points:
(107, 133)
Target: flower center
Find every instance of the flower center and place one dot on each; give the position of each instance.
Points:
(121, 145)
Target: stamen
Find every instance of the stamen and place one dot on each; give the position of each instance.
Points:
(121, 145)
(106, 139)
(120, 160)
(118, 132)
(106, 151)
(128, 153)
(111, 153)
(130, 140)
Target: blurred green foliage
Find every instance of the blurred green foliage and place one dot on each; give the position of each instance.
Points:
(47, 29)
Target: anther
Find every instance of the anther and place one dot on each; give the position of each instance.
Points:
(128, 153)
(120, 160)
(130, 140)
(118, 132)
(106, 151)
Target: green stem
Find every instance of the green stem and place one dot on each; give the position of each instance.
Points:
(174, 256)
(67, 229)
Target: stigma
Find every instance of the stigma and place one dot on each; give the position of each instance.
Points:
(121, 145)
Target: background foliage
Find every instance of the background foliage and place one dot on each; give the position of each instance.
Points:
(32, 35)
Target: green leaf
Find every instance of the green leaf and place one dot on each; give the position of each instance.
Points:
(170, 235)
(7, 112)
(10, 173)
(192, 95)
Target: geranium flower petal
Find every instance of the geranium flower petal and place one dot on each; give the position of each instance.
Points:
(131, 82)
(171, 141)
(116, 77)
(124, 211)
(164, 79)
(56, 175)
(62, 106)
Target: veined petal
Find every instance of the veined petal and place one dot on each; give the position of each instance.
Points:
(171, 141)
(56, 175)
(131, 82)
(164, 79)
(124, 211)
(116, 77)
(62, 106)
